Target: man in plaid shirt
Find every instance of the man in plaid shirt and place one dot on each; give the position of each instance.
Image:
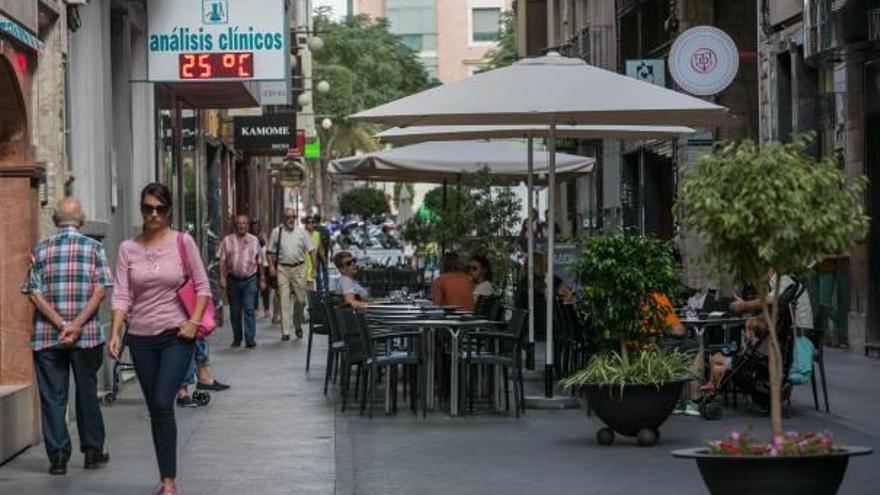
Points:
(66, 284)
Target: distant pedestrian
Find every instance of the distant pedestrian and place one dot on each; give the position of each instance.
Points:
(200, 373)
(265, 289)
(289, 247)
(241, 279)
(322, 255)
(66, 284)
(161, 336)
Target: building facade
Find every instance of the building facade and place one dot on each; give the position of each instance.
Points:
(819, 73)
(452, 37)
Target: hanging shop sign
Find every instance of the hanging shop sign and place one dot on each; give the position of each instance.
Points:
(20, 34)
(703, 60)
(271, 134)
(648, 70)
(217, 40)
(312, 149)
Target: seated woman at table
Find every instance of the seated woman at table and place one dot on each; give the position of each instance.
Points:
(352, 292)
(452, 287)
(481, 274)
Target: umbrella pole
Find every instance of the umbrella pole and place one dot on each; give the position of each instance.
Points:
(443, 238)
(530, 261)
(550, 294)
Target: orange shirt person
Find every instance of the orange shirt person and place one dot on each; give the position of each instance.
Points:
(453, 287)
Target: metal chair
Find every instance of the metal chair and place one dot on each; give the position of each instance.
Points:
(817, 337)
(497, 348)
(336, 345)
(317, 322)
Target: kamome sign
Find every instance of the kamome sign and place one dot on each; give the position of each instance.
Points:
(703, 60)
(216, 40)
(273, 133)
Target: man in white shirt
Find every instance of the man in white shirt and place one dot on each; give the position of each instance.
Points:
(289, 247)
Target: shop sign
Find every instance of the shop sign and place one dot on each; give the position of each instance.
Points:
(312, 149)
(217, 40)
(703, 60)
(273, 133)
(648, 70)
(20, 34)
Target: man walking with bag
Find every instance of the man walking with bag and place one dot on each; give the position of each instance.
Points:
(240, 276)
(289, 247)
(66, 284)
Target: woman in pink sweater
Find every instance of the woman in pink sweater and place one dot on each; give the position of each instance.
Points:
(160, 337)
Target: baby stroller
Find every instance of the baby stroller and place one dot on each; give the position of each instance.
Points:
(750, 370)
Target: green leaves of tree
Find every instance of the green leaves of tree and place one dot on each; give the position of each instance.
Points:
(771, 206)
(364, 201)
(366, 65)
(618, 273)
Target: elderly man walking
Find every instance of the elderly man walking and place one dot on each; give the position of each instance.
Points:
(240, 261)
(66, 284)
(289, 247)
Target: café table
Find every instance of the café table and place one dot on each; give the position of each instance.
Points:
(453, 326)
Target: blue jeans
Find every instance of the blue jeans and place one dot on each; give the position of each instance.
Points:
(242, 305)
(322, 277)
(53, 377)
(161, 361)
(200, 356)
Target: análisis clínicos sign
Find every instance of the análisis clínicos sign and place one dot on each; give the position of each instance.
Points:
(211, 40)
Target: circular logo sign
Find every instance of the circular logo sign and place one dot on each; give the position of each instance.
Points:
(703, 60)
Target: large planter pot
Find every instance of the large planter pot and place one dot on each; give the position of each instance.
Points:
(634, 410)
(764, 475)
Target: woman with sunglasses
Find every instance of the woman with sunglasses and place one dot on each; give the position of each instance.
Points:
(481, 273)
(353, 293)
(161, 335)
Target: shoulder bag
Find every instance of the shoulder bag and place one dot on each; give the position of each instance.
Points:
(187, 295)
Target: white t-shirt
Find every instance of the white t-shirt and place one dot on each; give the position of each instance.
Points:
(484, 288)
(295, 245)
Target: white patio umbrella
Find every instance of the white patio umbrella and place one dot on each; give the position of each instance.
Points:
(417, 134)
(551, 90)
(448, 160)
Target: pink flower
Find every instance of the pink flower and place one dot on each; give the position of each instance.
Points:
(735, 436)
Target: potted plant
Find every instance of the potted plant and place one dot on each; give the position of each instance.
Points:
(763, 209)
(632, 385)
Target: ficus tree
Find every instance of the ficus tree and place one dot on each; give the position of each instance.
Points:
(771, 207)
(618, 274)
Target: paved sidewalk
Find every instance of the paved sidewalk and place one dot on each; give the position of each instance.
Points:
(271, 433)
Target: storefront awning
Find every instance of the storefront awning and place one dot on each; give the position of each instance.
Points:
(217, 94)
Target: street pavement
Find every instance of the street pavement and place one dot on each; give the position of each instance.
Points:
(274, 432)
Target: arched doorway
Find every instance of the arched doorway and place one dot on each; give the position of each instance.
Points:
(14, 142)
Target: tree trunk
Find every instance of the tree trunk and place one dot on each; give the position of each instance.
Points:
(774, 355)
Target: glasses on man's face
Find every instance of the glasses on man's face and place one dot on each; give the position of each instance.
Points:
(149, 210)
(289, 218)
(474, 268)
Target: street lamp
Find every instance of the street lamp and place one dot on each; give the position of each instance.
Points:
(323, 87)
(304, 99)
(326, 123)
(315, 43)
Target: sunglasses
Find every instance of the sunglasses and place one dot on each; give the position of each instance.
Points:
(148, 210)
(351, 262)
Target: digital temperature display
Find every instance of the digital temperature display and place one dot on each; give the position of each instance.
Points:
(216, 65)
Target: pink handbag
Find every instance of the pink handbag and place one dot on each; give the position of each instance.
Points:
(187, 295)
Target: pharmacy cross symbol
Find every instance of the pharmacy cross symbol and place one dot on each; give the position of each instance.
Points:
(215, 11)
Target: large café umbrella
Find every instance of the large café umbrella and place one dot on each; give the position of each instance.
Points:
(551, 90)
(418, 134)
(443, 161)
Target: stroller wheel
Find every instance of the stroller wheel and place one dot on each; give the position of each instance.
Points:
(201, 398)
(109, 399)
(710, 411)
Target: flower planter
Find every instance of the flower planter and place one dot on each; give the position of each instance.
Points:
(634, 411)
(766, 475)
